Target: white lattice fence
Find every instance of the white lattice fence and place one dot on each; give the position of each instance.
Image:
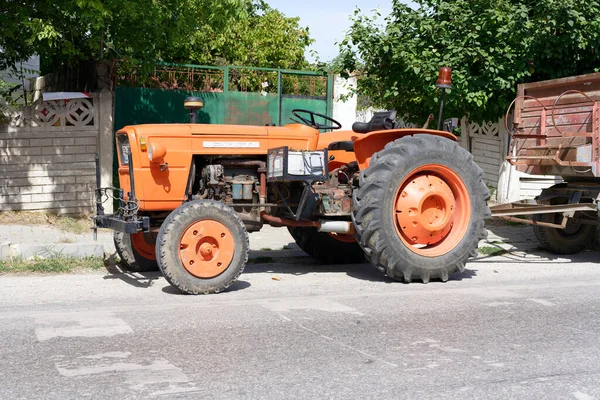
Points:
(486, 141)
(47, 157)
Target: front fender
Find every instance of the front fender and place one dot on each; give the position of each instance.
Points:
(367, 145)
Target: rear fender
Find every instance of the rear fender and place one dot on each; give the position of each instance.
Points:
(367, 145)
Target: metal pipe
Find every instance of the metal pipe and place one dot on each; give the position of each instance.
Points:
(263, 187)
(501, 211)
(288, 222)
(99, 206)
(244, 163)
(346, 227)
(131, 178)
(539, 223)
(439, 125)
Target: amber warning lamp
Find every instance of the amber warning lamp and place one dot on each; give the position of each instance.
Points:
(444, 82)
(193, 104)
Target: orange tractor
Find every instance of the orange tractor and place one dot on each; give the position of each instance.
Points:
(409, 200)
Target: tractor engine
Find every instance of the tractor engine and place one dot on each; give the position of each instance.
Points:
(237, 184)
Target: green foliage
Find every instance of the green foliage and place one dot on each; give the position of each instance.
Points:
(219, 32)
(490, 45)
(7, 102)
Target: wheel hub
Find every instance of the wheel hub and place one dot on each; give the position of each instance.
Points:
(425, 209)
(206, 248)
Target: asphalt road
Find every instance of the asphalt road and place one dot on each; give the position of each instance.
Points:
(512, 327)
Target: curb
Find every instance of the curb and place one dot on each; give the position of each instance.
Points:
(71, 250)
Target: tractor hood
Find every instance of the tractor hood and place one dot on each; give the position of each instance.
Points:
(293, 130)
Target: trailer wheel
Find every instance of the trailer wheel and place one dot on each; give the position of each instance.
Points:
(202, 247)
(137, 251)
(571, 240)
(328, 248)
(420, 208)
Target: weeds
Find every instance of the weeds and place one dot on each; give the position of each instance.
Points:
(51, 265)
(492, 251)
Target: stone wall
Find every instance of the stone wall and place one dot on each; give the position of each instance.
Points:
(47, 155)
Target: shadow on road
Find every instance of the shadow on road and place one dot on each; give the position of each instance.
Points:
(136, 279)
(237, 285)
(301, 264)
(519, 253)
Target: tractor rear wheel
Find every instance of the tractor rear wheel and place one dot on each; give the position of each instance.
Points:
(137, 251)
(420, 208)
(202, 247)
(329, 248)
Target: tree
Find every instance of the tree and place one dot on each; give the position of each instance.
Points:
(490, 45)
(65, 32)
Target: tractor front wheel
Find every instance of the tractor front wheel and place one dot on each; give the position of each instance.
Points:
(137, 251)
(202, 247)
(420, 208)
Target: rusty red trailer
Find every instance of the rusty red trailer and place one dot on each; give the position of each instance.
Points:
(556, 131)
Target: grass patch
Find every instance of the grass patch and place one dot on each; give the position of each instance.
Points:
(51, 265)
(77, 225)
(492, 251)
(261, 260)
(266, 249)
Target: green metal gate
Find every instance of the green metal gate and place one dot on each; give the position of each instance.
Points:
(232, 95)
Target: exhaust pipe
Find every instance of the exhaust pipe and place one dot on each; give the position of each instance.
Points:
(345, 227)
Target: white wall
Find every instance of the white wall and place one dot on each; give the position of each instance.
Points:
(344, 111)
(32, 64)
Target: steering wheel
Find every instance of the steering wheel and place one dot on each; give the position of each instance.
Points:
(312, 121)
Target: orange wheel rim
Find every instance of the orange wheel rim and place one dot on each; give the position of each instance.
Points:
(144, 244)
(206, 248)
(432, 210)
(343, 237)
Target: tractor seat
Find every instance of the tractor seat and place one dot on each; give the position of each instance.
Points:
(382, 120)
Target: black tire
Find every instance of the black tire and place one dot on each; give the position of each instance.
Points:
(571, 240)
(168, 246)
(323, 247)
(131, 259)
(374, 215)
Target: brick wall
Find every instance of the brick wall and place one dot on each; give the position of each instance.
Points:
(47, 157)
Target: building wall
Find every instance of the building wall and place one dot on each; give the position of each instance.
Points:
(33, 67)
(47, 155)
(344, 101)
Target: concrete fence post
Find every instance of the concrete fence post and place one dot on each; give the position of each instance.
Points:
(105, 141)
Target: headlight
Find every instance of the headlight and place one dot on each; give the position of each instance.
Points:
(157, 152)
